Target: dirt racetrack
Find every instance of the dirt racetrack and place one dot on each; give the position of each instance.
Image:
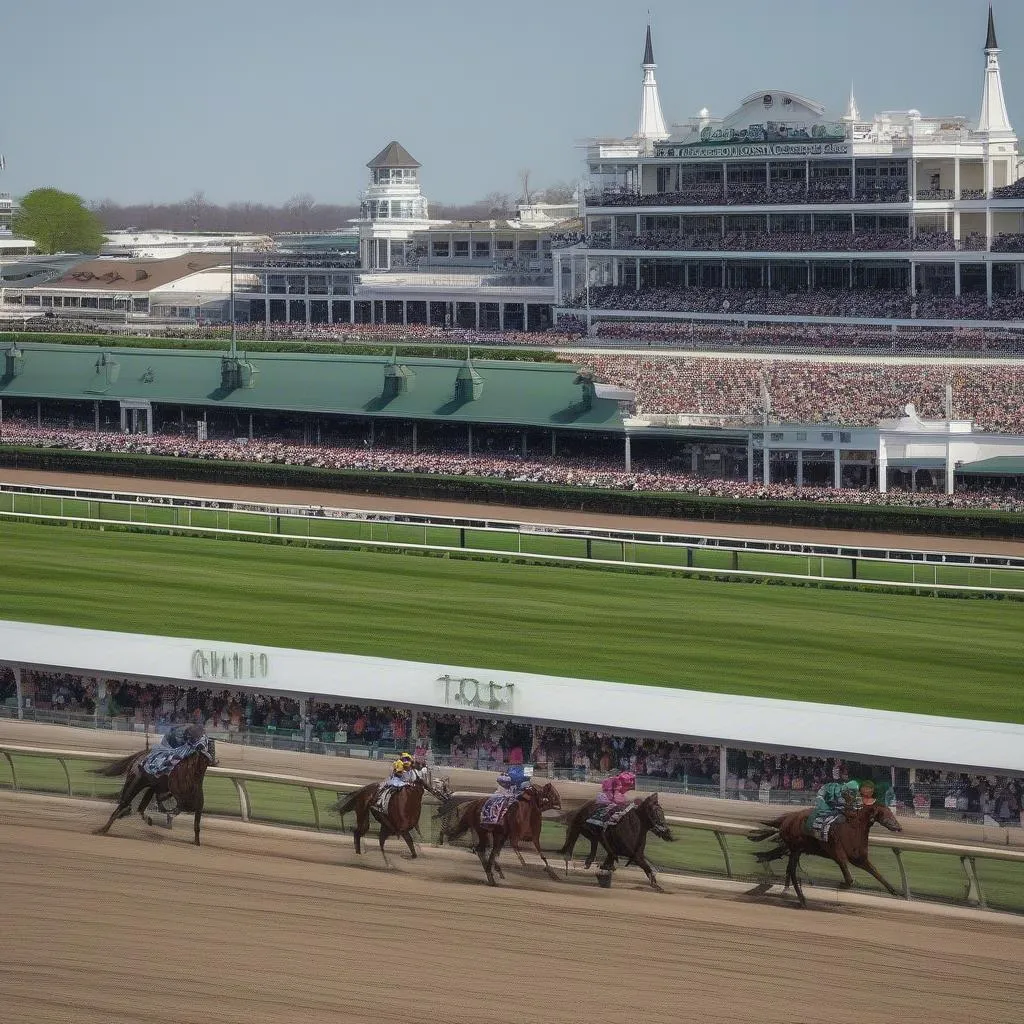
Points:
(262, 925)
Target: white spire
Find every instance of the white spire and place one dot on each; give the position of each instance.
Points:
(852, 114)
(652, 121)
(993, 120)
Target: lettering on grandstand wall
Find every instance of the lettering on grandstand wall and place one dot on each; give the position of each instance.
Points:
(762, 149)
(242, 666)
(472, 693)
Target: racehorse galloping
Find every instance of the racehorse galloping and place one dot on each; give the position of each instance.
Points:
(520, 824)
(403, 809)
(847, 843)
(626, 838)
(184, 783)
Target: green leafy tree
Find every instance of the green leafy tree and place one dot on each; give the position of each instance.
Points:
(58, 222)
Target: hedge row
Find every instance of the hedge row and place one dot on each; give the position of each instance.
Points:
(419, 351)
(864, 518)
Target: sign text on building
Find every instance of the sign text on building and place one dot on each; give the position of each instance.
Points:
(243, 666)
(765, 149)
(472, 693)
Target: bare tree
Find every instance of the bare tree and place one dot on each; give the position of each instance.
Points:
(498, 204)
(300, 208)
(559, 192)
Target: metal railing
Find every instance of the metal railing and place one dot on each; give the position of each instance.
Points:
(502, 538)
(969, 855)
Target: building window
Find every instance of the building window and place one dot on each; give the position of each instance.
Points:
(844, 437)
(827, 435)
(439, 248)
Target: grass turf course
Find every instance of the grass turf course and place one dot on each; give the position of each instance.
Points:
(897, 652)
(511, 542)
(932, 876)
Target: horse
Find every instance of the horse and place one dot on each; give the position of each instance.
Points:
(403, 810)
(184, 783)
(847, 843)
(521, 824)
(626, 838)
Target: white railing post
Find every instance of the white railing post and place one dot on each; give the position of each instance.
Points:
(20, 692)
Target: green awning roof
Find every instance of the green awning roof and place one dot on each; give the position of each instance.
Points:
(521, 394)
(1001, 465)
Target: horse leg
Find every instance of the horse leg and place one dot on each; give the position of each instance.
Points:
(198, 816)
(791, 870)
(497, 842)
(362, 827)
(592, 856)
(642, 862)
(407, 836)
(384, 833)
(540, 853)
(124, 805)
(866, 865)
(847, 882)
(604, 872)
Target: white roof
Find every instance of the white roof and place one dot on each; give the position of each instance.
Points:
(749, 722)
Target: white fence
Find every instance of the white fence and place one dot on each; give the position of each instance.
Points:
(897, 568)
(969, 855)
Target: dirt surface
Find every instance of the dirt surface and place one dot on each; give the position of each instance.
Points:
(357, 770)
(260, 926)
(384, 503)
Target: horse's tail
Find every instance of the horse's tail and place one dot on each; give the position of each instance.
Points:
(117, 768)
(455, 819)
(765, 856)
(347, 803)
(762, 834)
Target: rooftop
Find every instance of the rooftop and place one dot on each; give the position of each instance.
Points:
(514, 393)
(394, 154)
(131, 275)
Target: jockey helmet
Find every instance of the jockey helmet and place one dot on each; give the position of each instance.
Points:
(516, 774)
(406, 758)
(627, 780)
(399, 766)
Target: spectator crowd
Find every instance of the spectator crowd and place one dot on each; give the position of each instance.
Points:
(475, 742)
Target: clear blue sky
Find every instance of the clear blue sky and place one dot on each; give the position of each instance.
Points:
(150, 100)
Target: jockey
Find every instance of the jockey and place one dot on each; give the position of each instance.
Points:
(615, 788)
(403, 773)
(833, 799)
(512, 783)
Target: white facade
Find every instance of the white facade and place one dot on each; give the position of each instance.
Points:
(132, 244)
(391, 209)
(781, 196)
(749, 722)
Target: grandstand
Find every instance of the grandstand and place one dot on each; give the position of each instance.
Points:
(780, 213)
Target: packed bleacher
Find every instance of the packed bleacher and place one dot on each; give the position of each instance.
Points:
(596, 466)
(860, 392)
(788, 241)
(711, 336)
(466, 741)
(717, 193)
(878, 304)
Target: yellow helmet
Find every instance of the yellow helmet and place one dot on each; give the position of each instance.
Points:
(407, 757)
(399, 766)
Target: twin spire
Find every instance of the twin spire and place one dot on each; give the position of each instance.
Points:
(652, 121)
(993, 119)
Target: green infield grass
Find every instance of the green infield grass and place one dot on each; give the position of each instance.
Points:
(931, 875)
(892, 651)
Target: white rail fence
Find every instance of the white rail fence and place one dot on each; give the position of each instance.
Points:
(969, 855)
(678, 553)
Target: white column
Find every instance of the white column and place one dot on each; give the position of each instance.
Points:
(124, 424)
(469, 439)
(39, 415)
(950, 467)
(554, 443)
(799, 467)
(149, 420)
(415, 437)
(766, 464)
(723, 770)
(883, 467)
(405, 312)
(693, 458)
(750, 458)
(629, 456)
(96, 415)
(501, 316)
(18, 690)
(956, 187)
(837, 468)
(250, 426)
(956, 278)
(988, 277)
